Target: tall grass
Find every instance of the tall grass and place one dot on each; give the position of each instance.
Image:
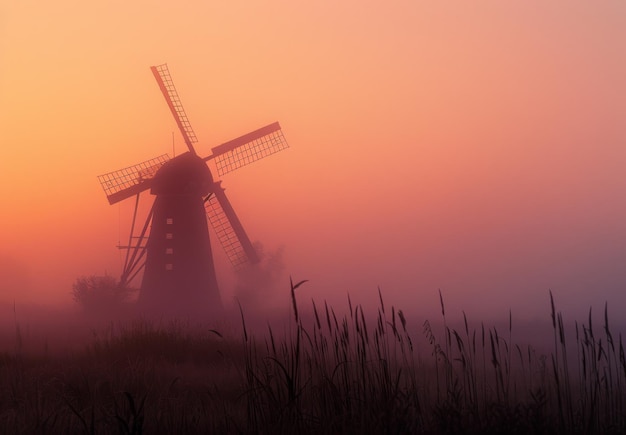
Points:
(350, 375)
(358, 372)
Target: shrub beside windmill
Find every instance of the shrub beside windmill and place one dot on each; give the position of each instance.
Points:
(173, 246)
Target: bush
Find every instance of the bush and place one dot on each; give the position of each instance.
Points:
(100, 293)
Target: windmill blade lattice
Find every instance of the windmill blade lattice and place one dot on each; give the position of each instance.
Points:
(225, 233)
(124, 183)
(166, 84)
(249, 148)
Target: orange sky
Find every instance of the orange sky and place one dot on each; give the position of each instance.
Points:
(476, 148)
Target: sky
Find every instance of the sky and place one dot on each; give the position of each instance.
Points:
(472, 147)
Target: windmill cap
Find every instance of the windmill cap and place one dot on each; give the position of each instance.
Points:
(186, 174)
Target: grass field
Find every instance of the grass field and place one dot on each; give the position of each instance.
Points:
(320, 373)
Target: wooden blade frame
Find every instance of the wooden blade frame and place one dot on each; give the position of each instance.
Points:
(136, 248)
(164, 80)
(122, 184)
(228, 228)
(248, 148)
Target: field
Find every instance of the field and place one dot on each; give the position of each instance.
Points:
(321, 372)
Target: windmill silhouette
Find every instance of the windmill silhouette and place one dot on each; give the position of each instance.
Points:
(176, 256)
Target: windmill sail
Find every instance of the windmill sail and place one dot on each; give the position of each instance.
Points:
(229, 230)
(176, 259)
(122, 184)
(164, 79)
(248, 148)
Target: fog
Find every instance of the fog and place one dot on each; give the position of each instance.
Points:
(477, 151)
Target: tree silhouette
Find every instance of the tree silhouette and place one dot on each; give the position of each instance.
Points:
(100, 293)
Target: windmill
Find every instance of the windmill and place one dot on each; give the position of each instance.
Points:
(175, 254)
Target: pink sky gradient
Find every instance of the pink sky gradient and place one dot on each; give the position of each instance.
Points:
(474, 147)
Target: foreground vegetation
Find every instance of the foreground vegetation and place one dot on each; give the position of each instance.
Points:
(323, 374)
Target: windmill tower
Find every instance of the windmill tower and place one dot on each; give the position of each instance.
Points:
(176, 257)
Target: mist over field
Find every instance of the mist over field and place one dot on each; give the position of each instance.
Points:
(476, 150)
(442, 245)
